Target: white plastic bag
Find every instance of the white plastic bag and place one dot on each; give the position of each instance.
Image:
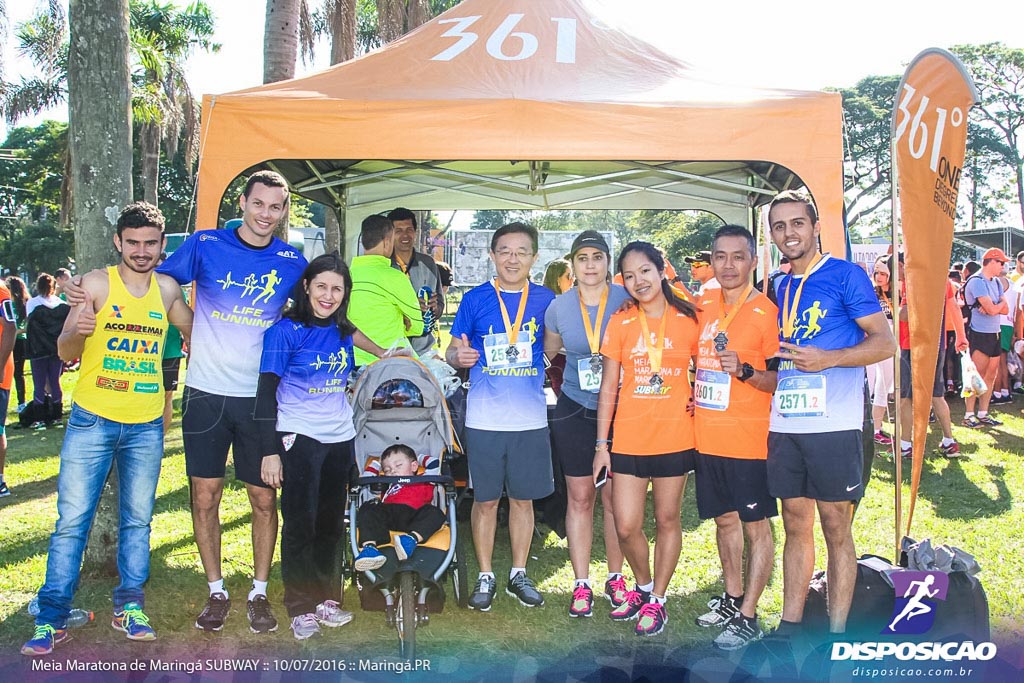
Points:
(443, 373)
(1014, 366)
(973, 384)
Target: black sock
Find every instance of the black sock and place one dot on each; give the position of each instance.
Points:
(789, 627)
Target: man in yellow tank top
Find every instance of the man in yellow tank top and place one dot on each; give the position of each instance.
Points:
(116, 417)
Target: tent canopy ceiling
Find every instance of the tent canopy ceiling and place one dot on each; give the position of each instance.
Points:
(372, 186)
(530, 105)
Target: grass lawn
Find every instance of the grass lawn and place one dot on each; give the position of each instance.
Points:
(972, 503)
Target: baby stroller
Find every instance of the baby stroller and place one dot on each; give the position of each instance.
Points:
(397, 400)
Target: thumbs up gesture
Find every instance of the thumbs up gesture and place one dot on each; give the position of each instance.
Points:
(465, 355)
(86, 316)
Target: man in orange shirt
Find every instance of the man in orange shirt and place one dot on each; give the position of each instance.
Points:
(739, 337)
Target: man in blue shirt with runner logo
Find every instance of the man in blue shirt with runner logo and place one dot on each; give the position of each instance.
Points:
(831, 326)
(499, 334)
(243, 278)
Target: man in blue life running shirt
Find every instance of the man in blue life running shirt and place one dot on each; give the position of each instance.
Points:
(831, 327)
(242, 280)
(499, 334)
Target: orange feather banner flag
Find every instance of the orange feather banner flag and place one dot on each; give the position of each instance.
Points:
(929, 139)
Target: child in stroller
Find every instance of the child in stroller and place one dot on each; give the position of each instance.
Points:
(404, 507)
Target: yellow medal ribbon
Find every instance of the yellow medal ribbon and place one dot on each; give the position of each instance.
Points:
(654, 354)
(402, 264)
(512, 330)
(593, 331)
(789, 314)
(723, 325)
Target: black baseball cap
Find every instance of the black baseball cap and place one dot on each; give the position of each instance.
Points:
(589, 238)
(699, 257)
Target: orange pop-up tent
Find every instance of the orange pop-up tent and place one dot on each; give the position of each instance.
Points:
(526, 104)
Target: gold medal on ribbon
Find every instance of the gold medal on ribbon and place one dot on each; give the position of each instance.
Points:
(654, 353)
(789, 314)
(512, 330)
(721, 339)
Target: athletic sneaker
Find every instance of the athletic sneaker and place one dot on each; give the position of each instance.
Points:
(721, 612)
(997, 400)
(989, 421)
(738, 633)
(305, 626)
(883, 439)
(4, 489)
(44, 639)
(520, 586)
(37, 426)
(483, 593)
(404, 545)
(261, 619)
(582, 604)
(133, 621)
(630, 607)
(971, 421)
(329, 613)
(213, 615)
(1019, 389)
(907, 452)
(615, 590)
(651, 619)
(950, 451)
(369, 559)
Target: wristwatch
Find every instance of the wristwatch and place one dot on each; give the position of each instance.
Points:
(746, 372)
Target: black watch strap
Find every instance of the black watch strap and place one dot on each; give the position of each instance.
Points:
(747, 372)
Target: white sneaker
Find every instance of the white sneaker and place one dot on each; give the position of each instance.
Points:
(305, 626)
(330, 614)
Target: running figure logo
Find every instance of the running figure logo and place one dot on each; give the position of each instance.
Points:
(811, 317)
(265, 285)
(336, 363)
(916, 593)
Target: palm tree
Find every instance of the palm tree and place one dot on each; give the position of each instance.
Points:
(163, 104)
(43, 40)
(161, 39)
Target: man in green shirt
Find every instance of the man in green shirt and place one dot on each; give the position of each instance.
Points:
(383, 304)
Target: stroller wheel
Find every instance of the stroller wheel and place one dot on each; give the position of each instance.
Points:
(405, 616)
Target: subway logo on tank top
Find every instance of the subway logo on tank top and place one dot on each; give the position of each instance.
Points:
(121, 374)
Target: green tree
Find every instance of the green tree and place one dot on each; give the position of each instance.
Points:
(164, 108)
(999, 76)
(33, 180)
(43, 41)
(35, 245)
(867, 114)
(678, 233)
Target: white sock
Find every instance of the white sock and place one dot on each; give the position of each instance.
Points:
(515, 570)
(660, 600)
(258, 588)
(646, 588)
(218, 587)
(582, 582)
(969, 414)
(948, 441)
(614, 575)
(906, 444)
(488, 574)
(982, 413)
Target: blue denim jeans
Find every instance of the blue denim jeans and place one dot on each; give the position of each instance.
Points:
(91, 445)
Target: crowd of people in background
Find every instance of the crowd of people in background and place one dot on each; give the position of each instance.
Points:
(758, 392)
